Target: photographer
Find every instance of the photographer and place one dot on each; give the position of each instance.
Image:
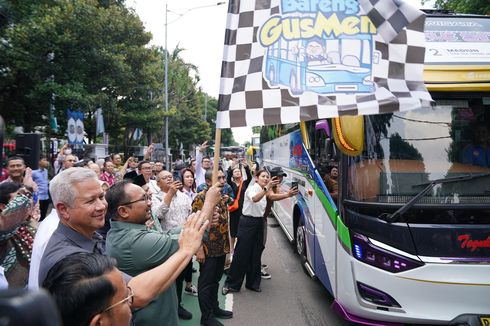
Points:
(250, 244)
(275, 195)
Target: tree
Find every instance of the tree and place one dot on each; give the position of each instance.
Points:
(481, 7)
(88, 53)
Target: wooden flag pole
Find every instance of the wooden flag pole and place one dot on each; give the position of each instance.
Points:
(217, 147)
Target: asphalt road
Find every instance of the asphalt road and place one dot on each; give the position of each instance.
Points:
(290, 297)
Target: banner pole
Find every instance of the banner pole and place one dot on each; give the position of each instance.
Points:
(217, 147)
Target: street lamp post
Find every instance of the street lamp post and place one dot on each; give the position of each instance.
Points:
(167, 162)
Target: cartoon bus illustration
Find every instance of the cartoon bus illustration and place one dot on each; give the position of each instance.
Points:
(322, 65)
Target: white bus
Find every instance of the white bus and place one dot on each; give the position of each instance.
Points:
(406, 238)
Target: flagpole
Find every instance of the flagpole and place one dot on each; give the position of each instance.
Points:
(167, 163)
(217, 147)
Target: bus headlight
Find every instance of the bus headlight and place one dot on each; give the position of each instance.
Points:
(314, 80)
(365, 251)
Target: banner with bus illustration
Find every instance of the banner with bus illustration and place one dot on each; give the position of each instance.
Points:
(325, 48)
(286, 61)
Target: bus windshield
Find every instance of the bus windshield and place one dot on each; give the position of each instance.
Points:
(405, 151)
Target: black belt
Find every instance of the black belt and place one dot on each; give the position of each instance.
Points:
(250, 216)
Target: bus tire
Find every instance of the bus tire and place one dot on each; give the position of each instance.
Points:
(294, 84)
(272, 75)
(301, 242)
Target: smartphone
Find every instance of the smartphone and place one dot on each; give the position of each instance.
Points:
(176, 176)
(294, 184)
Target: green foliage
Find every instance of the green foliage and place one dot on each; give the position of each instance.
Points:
(400, 149)
(481, 7)
(90, 54)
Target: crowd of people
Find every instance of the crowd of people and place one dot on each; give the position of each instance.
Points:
(114, 243)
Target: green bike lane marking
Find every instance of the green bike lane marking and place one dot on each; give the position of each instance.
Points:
(191, 303)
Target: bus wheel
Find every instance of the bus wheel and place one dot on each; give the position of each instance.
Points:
(294, 84)
(272, 75)
(301, 241)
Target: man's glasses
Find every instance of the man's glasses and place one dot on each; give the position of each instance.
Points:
(146, 197)
(128, 299)
(221, 177)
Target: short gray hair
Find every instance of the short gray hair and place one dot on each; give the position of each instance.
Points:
(61, 187)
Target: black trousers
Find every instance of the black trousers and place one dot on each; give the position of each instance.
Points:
(43, 207)
(208, 285)
(248, 252)
(186, 276)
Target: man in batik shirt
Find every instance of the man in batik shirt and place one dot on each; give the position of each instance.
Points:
(211, 256)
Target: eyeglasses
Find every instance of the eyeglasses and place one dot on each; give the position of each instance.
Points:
(128, 299)
(166, 177)
(221, 177)
(146, 197)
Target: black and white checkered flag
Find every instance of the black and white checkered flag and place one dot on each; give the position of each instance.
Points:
(286, 61)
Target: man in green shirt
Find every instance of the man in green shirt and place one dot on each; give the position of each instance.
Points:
(138, 248)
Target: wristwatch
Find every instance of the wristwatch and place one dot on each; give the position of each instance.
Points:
(265, 189)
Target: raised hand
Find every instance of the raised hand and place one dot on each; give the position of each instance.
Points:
(191, 235)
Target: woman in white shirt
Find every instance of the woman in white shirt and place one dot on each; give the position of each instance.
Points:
(249, 247)
(188, 183)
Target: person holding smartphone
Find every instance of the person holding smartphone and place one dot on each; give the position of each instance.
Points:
(248, 250)
(275, 194)
(172, 207)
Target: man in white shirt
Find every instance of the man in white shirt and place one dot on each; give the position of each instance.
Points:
(202, 164)
(43, 234)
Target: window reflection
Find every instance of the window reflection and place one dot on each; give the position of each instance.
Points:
(405, 150)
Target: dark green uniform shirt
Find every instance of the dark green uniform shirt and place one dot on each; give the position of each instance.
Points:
(137, 250)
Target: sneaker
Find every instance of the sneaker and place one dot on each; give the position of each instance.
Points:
(191, 290)
(264, 266)
(225, 290)
(184, 314)
(265, 275)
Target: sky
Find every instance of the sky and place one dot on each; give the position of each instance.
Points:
(198, 26)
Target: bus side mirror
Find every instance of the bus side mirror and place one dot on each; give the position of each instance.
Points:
(323, 125)
(348, 132)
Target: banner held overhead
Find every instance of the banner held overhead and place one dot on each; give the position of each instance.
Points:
(288, 61)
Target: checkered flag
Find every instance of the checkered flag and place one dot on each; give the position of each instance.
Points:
(256, 89)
